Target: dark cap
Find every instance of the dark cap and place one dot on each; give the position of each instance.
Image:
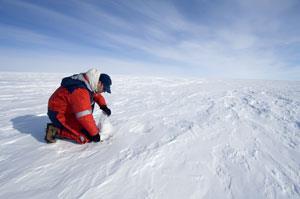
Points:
(106, 81)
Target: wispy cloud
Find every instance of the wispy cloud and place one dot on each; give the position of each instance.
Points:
(239, 39)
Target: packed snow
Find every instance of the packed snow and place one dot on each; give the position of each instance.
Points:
(167, 138)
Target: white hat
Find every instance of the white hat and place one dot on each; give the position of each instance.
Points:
(93, 76)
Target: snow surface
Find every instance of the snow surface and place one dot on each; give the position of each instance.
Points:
(171, 138)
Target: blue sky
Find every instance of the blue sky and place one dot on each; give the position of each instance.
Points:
(257, 39)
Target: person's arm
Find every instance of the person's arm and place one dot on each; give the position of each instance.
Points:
(81, 107)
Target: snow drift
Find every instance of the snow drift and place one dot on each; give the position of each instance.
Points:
(171, 138)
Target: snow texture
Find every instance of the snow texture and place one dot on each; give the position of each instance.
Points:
(169, 138)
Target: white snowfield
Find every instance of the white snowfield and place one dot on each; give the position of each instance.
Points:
(171, 138)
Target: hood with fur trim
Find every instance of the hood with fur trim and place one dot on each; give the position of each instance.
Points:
(93, 78)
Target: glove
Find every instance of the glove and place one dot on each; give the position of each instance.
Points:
(96, 138)
(106, 110)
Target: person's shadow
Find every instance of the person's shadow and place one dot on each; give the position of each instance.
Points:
(31, 124)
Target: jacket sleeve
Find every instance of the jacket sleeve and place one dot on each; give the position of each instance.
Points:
(81, 107)
(99, 99)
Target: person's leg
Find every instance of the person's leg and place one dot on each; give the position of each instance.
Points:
(53, 118)
(67, 127)
(66, 134)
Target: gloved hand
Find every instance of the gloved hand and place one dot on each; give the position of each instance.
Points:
(96, 138)
(106, 110)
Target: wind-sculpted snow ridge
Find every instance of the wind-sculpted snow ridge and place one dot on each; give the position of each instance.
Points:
(171, 138)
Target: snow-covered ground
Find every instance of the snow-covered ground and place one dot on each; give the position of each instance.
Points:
(172, 138)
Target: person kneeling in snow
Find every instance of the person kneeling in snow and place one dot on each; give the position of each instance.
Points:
(71, 106)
